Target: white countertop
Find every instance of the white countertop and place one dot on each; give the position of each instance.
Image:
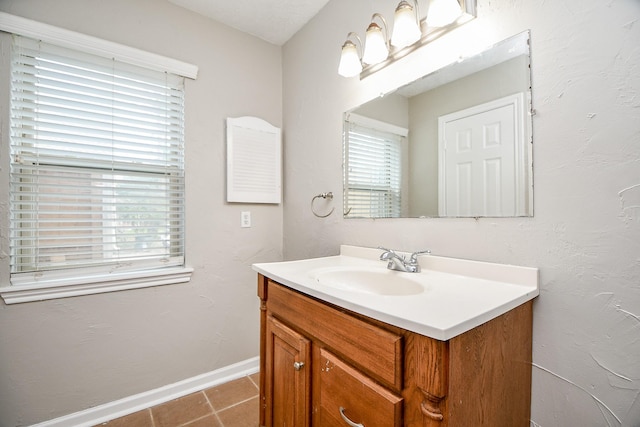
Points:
(458, 294)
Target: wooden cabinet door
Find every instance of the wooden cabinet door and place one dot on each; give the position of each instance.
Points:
(287, 376)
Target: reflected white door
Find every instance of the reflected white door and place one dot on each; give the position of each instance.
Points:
(479, 159)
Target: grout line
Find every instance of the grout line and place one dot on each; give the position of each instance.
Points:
(213, 410)
(238, 403)
(215, 414)
(254, 383)
(195, 419)
(153, 421)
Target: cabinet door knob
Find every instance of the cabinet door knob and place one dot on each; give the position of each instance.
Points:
(347, 420)
(298, 365)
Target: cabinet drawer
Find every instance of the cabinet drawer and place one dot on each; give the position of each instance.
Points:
(346, 393)
(374, 349)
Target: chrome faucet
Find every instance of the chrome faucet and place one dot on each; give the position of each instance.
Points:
(399, 262)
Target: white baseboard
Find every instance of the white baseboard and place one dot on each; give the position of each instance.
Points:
(128, 405)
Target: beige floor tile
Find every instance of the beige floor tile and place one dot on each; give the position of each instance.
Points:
(230, 393)
(242, 415)
(181, 411)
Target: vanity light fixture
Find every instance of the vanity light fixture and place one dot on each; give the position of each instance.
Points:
(376, 42)
(380, 50)
(350, 63)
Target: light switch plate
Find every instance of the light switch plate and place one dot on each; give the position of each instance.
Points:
(245, 219)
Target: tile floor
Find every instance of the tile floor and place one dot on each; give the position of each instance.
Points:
(233, 404)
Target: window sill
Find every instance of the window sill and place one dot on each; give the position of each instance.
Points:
(95, 284)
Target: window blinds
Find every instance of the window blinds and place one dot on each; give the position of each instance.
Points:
(372, 172)
(97, 167)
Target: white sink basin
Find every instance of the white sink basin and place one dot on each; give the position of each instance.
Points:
(369, 281)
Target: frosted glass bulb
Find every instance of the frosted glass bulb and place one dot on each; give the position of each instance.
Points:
(375, 45)
(406, 30)
(350, 64)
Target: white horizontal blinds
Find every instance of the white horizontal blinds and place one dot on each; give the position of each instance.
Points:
(372, 173)
(97, 170)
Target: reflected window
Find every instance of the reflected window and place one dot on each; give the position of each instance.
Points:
(373, 171)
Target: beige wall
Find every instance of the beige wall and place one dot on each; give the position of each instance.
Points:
(392, 109)
(585, 235)
(62, 356)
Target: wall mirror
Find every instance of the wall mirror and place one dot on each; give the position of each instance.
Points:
(454, 143)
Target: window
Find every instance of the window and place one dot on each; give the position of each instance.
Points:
(372, 171)
(97, 171)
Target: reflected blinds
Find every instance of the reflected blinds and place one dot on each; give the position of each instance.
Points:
(372, 172)
(97, 168)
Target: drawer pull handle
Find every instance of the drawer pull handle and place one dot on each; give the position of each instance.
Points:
(298, 365)
(347, 420)
(431, 414)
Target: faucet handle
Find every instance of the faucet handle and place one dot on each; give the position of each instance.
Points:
(391, 251)
(414, 256)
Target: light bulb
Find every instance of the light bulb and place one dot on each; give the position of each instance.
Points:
(350, 64)
(406, 29)
(375, 45)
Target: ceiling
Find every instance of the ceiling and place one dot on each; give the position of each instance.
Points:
(275, 21)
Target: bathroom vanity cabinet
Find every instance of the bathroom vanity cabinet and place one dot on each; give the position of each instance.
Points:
(326, 366)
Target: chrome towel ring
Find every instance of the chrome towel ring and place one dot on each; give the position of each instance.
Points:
(329, 196)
